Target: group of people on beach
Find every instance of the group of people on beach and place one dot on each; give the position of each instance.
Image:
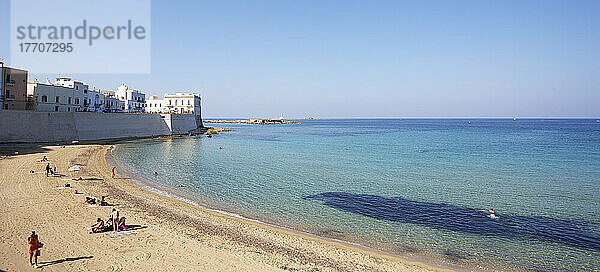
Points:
(48, 169)
(94, 201)
(114, 223)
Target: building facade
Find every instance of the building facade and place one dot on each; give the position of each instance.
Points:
(111, 103)
(155, 105)
(50, 97)
(13, 89)
(182, 103)
(175, 103)
(134, 100)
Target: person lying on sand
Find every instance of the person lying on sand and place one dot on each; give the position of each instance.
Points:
(98, 227)
(90, 200)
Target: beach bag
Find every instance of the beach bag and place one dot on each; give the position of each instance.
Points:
(40, 245)
(37, 253)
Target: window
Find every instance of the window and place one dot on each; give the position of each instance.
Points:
(68, 108)
(77, 88)
(189, 102)
(55, 108)
(69, 100)
(76, 100)
(44, 99)
(57, 100)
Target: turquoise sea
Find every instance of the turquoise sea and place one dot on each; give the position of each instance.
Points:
(420, 186)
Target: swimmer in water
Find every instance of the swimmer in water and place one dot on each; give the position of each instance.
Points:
(220, 147)
(492, 214)
(179, 185)
(156, 173)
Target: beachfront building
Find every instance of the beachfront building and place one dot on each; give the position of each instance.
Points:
(57, 97)
(155, 105)
(76, 101)
(95, 101)
(182, 103)
(13, 89)
(134, 100)
(175, 103)
(111, 102)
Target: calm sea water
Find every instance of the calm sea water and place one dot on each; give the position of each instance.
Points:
(414, 185)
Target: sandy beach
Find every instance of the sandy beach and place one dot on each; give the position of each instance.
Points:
(168, 235)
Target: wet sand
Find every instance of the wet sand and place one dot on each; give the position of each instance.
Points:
(169, 235)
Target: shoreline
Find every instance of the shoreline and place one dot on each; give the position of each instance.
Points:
(171, 235)
(436, 262)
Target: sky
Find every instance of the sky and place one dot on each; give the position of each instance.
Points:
(352, 59)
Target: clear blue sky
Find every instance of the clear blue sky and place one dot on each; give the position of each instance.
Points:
(371, 58)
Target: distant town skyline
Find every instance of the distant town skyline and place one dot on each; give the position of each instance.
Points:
(349, 59)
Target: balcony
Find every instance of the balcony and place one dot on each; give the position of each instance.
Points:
(10, 82)
(9, 97)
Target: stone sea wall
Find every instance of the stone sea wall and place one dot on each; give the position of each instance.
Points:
(36, 127)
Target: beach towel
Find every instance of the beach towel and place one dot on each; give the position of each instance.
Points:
(60, 188)
(42, 172)
(119, 234)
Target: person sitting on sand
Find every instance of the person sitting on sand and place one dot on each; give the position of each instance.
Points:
(113, 171)
(44, 159)
(108, 224)
(98, 227)
(102, 202)
(34, 247)
(122, 225)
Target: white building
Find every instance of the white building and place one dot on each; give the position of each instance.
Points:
(155, 105)
(175, 103)
(134, 100)
(111, 103)
(94, 101)
(63, 95)
(182, 103)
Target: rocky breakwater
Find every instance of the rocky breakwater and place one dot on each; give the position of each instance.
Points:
(253, 121)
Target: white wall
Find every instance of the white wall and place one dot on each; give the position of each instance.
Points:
(28, 126)
(180, 123)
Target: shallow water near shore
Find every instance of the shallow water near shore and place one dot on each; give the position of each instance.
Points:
(411, 185)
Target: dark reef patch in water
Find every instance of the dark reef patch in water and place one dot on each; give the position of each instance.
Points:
(463, 219)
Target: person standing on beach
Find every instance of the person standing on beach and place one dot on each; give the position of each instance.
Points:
(114, 217)
(47, 169)
(34, 247)
(113, 171)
